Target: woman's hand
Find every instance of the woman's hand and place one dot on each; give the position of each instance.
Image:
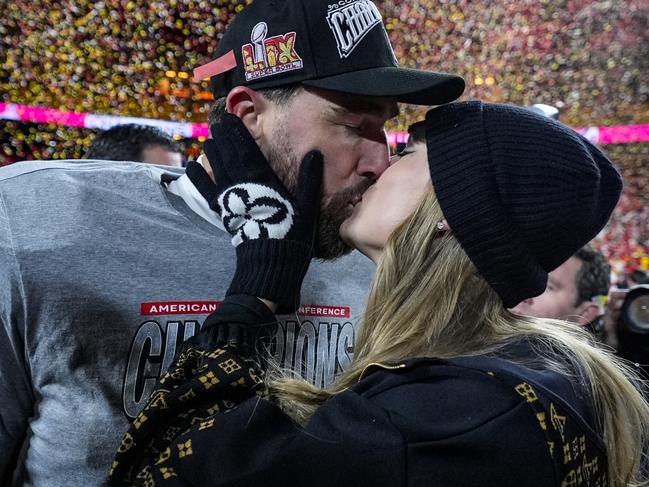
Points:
(273, 230)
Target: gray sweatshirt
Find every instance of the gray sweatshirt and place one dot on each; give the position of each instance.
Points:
(104, 270)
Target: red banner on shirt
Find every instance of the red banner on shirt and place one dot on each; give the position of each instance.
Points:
(319, 310)
(179, 308)
(165, 308)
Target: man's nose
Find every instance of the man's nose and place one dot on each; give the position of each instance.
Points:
(375, 159)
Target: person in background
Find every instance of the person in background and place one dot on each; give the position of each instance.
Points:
(447, 386)
(137, 143)
(574, 292)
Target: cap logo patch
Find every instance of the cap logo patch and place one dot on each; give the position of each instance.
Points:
(350, 21)
(269, 56)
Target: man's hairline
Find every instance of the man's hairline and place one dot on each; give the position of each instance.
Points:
(363, 103)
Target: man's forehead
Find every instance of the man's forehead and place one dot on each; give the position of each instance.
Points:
(380, 107)
(344, 103)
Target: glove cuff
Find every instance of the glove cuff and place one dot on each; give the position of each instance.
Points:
(241, 319)
(273, 270)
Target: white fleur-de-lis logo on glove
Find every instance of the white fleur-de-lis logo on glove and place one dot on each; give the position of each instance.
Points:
(252, 211)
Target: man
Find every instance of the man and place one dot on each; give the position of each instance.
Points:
(572, 290)
(105, 268)
(138, 143)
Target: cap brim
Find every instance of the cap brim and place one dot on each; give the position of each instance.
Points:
(402, 84)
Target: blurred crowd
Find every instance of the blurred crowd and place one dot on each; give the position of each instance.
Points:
(125, 57)
(589, 58)
(625, 240)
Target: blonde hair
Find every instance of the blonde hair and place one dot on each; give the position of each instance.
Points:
(427, 299)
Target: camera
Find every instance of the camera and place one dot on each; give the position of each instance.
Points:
(633, 326)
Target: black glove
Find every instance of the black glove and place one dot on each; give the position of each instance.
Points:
(272, 230)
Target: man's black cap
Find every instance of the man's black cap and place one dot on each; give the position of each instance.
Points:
(335, 45)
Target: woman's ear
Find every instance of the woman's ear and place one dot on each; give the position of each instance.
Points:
(443, 226)
(248, 105)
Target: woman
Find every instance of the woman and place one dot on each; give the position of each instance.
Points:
(447, 387)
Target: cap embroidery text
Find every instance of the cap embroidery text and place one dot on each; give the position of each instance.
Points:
(350, 21)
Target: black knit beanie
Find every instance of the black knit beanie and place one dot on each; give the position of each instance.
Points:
(521, 192)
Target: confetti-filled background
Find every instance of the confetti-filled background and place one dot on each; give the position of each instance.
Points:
(589, 58)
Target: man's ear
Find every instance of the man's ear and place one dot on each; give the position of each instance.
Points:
(588, 311)
(249, 106)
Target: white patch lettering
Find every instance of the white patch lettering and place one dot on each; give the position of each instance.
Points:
(350, 21)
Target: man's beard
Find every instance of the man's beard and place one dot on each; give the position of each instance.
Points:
(334, 209)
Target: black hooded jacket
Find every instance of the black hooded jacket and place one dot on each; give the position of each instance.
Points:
(467, 421)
